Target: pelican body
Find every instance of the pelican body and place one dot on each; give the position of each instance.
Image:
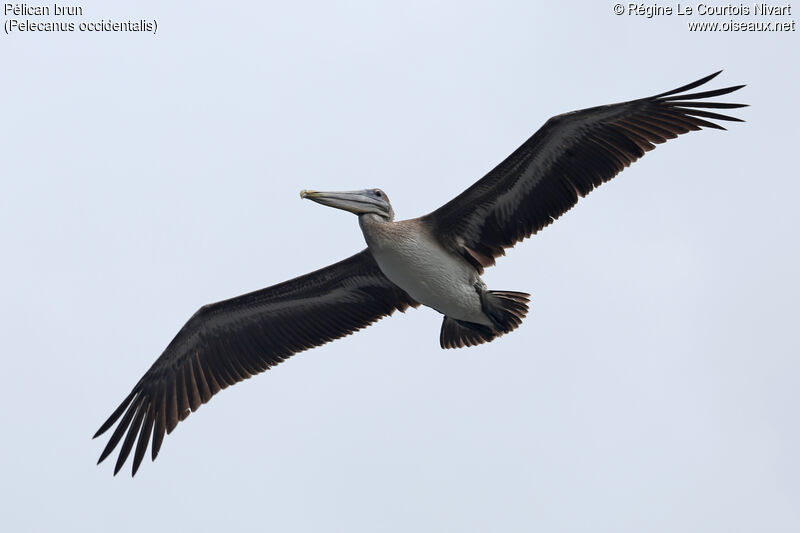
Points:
(410, 255)
(435, 260)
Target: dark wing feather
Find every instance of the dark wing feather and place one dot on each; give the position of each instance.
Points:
(567, 158)
(229, 341)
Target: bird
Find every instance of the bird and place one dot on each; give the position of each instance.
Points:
(435, 260)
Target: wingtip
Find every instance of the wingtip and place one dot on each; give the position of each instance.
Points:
(104, 455)
(689, 86)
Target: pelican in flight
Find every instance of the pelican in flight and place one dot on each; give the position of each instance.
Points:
(435, 260)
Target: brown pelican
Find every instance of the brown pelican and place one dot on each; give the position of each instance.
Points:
(435, 260)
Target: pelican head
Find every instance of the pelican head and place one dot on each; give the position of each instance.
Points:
(368, 201)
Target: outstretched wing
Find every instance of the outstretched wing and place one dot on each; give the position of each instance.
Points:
(226, 342)
(568, 157)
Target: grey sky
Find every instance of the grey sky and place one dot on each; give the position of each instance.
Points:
(653, 387)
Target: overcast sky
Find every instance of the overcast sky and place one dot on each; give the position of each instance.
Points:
(653, 386)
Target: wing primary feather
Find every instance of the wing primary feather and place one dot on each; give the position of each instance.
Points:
(144, 437)
(707, 124)
(115, 415)
(130, 437)
(690, 86)
(710, 114)
(710, 105)
(117, 435)
(704, 94)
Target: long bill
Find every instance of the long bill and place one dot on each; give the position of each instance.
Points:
(358, 202)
